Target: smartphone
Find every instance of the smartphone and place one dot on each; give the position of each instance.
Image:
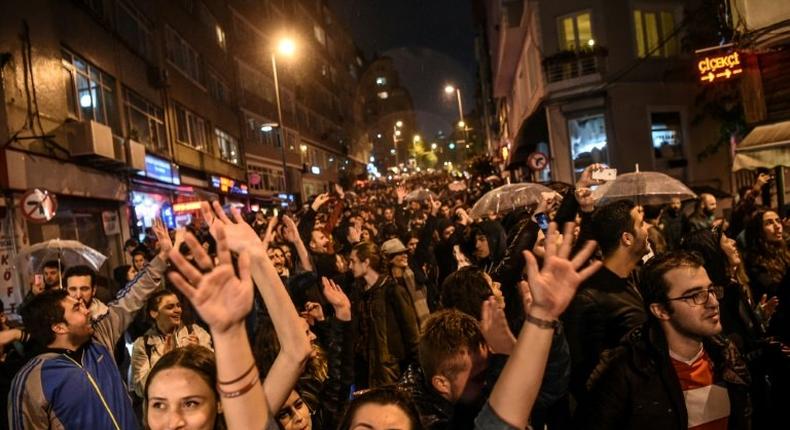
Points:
(605, 174)
(543, 222)
(38, 279)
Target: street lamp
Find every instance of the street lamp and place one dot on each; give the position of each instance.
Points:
(287, 48)
(449, 89)
(398, 123)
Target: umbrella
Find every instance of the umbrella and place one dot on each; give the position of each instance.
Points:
(644, 188)
(68, 253)
(421, 195)
(456, 186)
(508, 197)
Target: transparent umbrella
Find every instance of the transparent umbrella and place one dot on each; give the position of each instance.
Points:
(508, 197)
(420, 195)
(456, 186)
(643, 188)
(68, 253)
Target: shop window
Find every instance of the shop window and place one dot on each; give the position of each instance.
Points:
(228, 147)
(654, 31)
(575, 31)
(190, 129)
(667, 136)
(90, 92)
(145, 122)
(588, 141)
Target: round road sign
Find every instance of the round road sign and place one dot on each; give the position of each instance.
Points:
(39, 205)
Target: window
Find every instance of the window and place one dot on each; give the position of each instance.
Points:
(213, 25)
(183, 56)
(575, 32)
(145, 122)
(90, 93)
(191, 129)
(381, 81)
(666, 133)
(228, 147)
(217, 87)
(654, 31)
(271, 179)
(588, 141)
(258, 136)
(135, 30)
(256, 83)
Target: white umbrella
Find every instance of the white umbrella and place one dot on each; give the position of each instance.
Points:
(508, 197)
(67, 253)
(643, 188)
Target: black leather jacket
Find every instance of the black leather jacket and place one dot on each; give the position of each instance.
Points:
(635, 386)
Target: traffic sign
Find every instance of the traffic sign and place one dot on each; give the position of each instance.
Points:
(537, 161)
(39, 205)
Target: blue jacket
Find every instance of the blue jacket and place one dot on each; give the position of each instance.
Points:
(54, 391)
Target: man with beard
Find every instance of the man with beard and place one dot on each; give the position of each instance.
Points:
(75, 383)
(608, 304)
(704, 216)
(671, 223)
(675, 372)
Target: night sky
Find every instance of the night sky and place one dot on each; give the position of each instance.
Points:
(431, 42)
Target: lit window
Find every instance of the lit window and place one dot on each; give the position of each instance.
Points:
(575, 31)
(654, 33)
(91, 92)
(381, 81)
(190, 129)
(228, 147)
(588, 141)
(145, 122)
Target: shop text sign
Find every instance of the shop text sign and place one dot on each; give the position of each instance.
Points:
(227, 185)
(718, 64)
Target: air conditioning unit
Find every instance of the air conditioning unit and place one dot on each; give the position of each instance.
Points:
(91, 139)
(136, 155)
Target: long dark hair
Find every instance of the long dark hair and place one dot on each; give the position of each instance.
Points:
(707, 243)
(775, 259)
(382, 396)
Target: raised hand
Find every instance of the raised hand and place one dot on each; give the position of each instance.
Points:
(290, 233)
(221, 298)
(493, 325)
(401, 192)
(319, 201)
(337, 298)
(586, 179)
(554, 285)
(585, 199)
(313, 312)
(162, 236)
(768, 306)
(239, 235)
(435, 205)
(339, 191)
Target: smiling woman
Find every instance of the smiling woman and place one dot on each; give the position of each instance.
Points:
(180, 391)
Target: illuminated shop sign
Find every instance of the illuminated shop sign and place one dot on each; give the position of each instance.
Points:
(186, 207)
(718, 64)
(161, 170)
(227, 185)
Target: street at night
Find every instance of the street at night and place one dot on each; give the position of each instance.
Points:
(394, 214)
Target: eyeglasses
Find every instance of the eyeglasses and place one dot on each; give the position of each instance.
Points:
(702, 297)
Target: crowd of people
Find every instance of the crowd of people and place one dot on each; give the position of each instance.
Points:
(389, 306)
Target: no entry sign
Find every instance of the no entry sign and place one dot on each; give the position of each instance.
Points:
(39, 205)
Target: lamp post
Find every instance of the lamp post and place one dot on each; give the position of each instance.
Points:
(285, 47)
(395, 133)
(449, 89)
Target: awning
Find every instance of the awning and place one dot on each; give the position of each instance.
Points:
(767, 146)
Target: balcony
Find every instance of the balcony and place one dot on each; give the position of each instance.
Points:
(568, 65)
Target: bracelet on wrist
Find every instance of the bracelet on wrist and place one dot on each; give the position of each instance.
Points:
(247, 372)
(241, 391)
(541, 323)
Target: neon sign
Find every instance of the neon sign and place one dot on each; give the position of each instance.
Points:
(718, 65)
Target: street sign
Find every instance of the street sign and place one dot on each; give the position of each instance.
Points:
(537, 161)
(719, 63)
(39, 205)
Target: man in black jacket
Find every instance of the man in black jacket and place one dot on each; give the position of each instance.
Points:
(675, 372)
(608, 304)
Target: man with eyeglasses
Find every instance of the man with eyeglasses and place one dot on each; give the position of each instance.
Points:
(676, 371)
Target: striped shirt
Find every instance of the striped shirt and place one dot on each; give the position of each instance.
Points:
(707, 404)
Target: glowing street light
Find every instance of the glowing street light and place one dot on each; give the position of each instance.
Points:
(433, 146)
(286, 47)
(449, 89)
(416, 138)
(461, 124)
(399, 123)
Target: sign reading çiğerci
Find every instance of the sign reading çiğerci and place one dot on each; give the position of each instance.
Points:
(718, 64)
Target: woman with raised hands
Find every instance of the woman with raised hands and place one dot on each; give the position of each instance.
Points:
(295, 347)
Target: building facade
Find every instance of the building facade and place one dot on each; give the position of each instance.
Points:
(124, 110)
(593, 81)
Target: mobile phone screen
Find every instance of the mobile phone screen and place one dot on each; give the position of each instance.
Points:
(543, 222)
